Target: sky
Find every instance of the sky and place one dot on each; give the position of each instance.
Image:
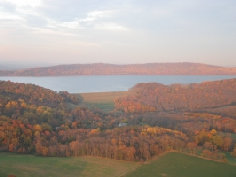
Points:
(48, 32)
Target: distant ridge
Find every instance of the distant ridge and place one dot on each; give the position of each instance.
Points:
(183, 68)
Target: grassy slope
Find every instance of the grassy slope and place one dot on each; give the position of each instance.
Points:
(101, 100)
(29, 165)
(181, 165)
(169, 165)
(231, 160)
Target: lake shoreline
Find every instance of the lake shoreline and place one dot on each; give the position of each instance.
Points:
(110, 83)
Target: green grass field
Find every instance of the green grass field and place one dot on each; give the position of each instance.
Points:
(101, 100)
(168, 165)
(35, 166)
(105, 107)
(181, 165)
(230, 158)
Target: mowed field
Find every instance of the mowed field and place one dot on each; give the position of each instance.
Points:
(36, 166)
(101, 100)
(169, 165)
(181, 165)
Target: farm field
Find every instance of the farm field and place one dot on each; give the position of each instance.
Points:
(168, 165)
(36, 166)
(101, 100)
(182, 165)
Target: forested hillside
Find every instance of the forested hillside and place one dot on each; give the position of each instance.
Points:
(157, 97)
(39, 121)
(32, 94)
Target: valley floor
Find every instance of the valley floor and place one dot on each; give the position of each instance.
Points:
(100, 100)
(169, 165)
(181, 165)
(36, 166)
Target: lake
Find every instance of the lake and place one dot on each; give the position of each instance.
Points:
(82, 84)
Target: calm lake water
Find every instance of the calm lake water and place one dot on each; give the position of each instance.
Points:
(81, 84)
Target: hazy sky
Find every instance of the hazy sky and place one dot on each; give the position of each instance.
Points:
(118, 31)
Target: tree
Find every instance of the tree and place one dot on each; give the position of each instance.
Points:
(191, 146)
(227, 141)
(234, 152)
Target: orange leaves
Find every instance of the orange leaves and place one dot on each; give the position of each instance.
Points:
(74, 125)
(133, 106)
(21, 125)
(74, 148)
(37, 134)
(94, 131)
(213, 132)
(153, 130)
(11, 147)
(44, 151)
(37, 127)
(41, 150)
(28, 132)
(11, 104)
(191, 146)
(156, 97)
(16, 136)
(32, 94)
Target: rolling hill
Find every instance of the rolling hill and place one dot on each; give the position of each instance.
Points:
(130, 69)
(145, 97)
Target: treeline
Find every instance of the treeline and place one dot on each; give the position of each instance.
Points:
(187, 122)
(126, 143)
(157, 97)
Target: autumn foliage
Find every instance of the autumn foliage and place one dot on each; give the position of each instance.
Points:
(42, 122)
(157, 97)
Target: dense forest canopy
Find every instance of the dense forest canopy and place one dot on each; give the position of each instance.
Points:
(177, 97)
(39, 121)
(33, 94)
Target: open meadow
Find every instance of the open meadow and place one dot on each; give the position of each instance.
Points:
(181, 165)
(101, 100)
(37, 166)
(168, 165)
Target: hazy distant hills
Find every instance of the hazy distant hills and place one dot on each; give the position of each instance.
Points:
(130, 69)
